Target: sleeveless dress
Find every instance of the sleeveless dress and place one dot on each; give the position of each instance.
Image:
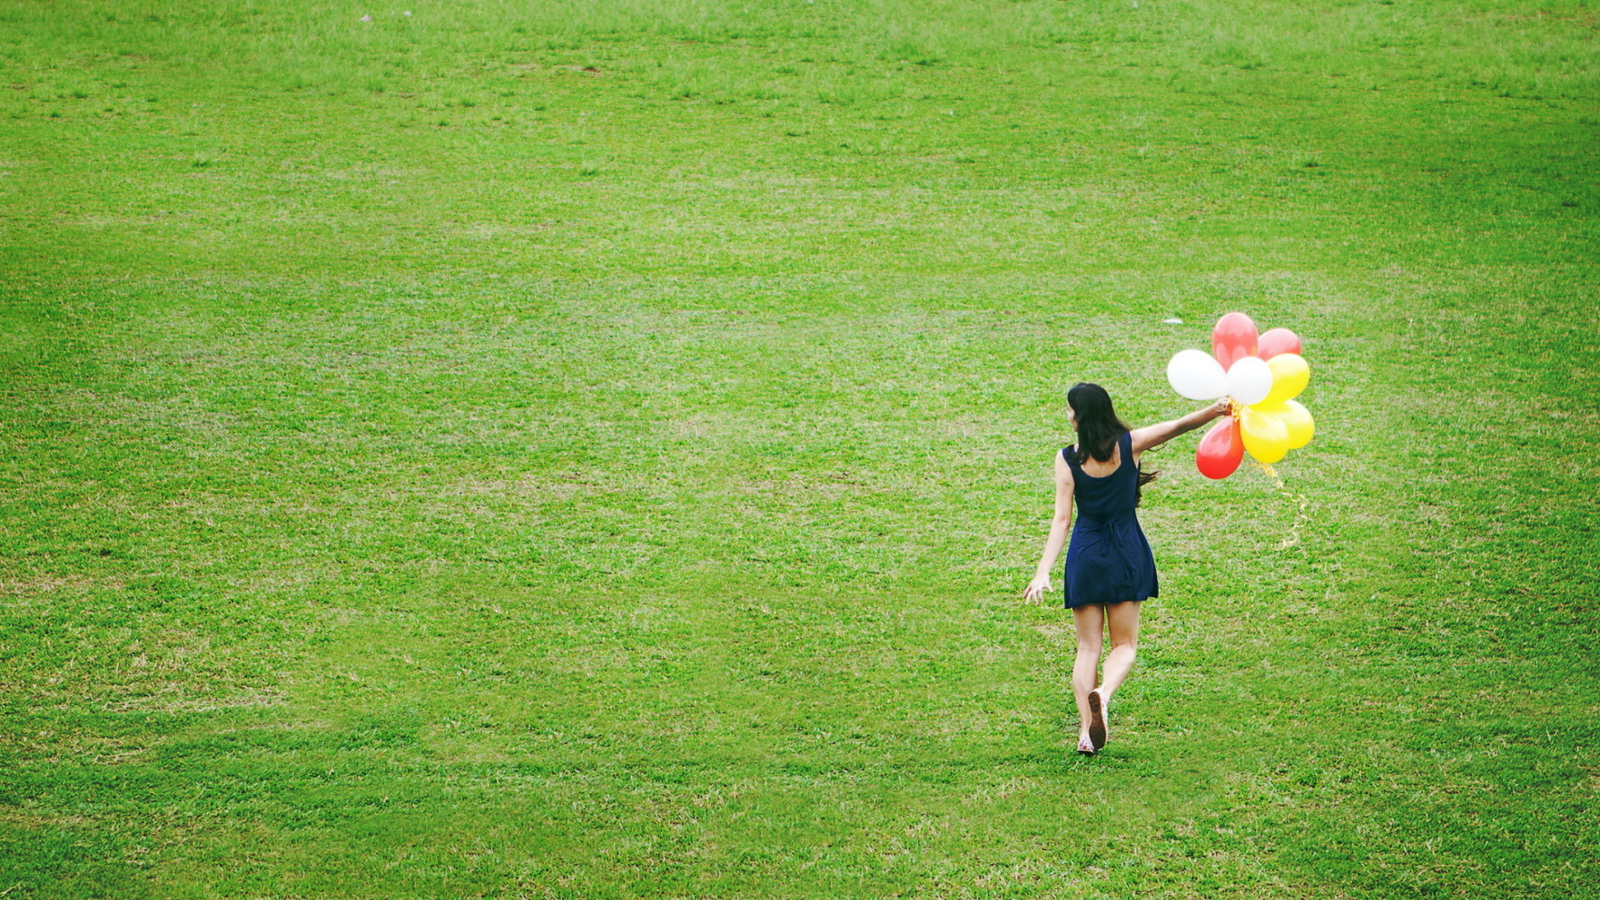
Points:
(1108, 560)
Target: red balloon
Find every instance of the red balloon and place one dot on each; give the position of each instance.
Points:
(1221, 449)
(1233, 339)
(1277, 342)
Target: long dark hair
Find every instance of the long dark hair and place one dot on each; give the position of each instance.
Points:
(1098, 425)
(1099, 428)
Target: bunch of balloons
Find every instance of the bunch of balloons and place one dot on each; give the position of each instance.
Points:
(1261, 375)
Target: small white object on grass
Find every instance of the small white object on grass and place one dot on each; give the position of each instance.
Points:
(1172, 321)
(366, 18)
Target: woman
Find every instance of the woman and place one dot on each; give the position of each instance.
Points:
(1109, 564)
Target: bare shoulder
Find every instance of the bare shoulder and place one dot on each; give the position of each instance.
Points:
(1063, 471)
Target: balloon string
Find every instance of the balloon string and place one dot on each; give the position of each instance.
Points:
(1299, 499)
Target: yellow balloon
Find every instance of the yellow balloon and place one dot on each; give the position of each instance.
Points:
(1265, 435)
(1294, 417)
(1290, 374)
(1301, 425)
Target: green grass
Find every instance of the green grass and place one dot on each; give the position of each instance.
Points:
(526, 450)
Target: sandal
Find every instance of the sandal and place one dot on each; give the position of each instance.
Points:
(1085, 746)
(1097, 720)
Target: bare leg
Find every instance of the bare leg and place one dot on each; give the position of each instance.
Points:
(1089, 622)
(1123, 620)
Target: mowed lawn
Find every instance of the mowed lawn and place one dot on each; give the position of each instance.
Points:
(596, 450)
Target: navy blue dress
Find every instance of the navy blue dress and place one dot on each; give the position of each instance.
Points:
(1108, 560)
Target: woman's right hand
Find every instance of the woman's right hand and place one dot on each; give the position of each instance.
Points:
(1036, 589)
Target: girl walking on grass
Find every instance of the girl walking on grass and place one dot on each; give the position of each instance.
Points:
(1109, 565)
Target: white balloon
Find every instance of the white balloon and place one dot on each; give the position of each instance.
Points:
(1249, 381)
(1197, 375)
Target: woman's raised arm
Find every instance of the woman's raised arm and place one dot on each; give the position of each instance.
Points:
(1156, 435)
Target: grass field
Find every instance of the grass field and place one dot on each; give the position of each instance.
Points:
(596, 450)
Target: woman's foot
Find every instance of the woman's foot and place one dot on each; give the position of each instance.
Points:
(1085, 746)
(1097, 720)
